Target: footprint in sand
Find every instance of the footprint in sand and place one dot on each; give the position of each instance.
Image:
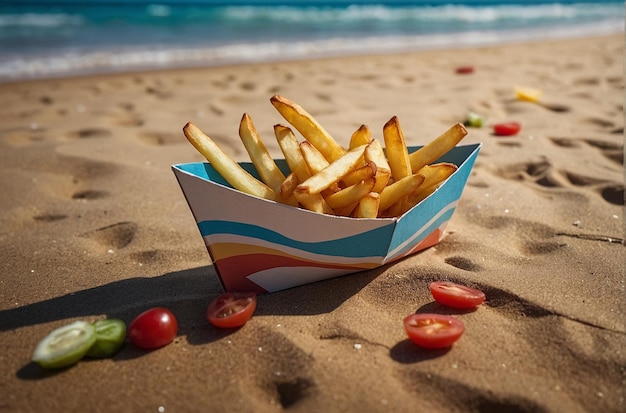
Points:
(124, 115)
(602, 123)
(463, 263)
(161, 138)
(280, 367)
(88, 133)
(49, 217)
(613, 193)
(466, 398)
(612, 150)
(542, 173)
(147, 257)
(247, 86)
(565, 142)
(610, 191)
(531, 238)
(23, 137)
(126, 119)
(159, 93)
(216, 109)
(74, 181)
(89, 194)
(46, 100)
(115, 236)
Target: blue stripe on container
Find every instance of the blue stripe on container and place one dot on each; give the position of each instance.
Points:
(357, 246)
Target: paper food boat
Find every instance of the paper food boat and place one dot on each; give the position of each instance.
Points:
(264, 246)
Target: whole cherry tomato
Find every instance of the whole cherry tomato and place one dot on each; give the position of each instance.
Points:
(153, 328)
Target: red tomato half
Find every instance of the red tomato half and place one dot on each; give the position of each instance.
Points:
(433, 330)
(465, 70)
(153, 328)
(506, 129)
(231, 310)
(456, 295)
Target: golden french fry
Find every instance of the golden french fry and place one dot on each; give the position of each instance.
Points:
(434, 176)
(436, 173)
(308, 126)
(346, 211)
(313, 158)
(399, 190)
(316, 162)
(259, 155)
(361, 136)
(374, 153)
(293, 156)
(288, 186)
(350, 195)
(313, 202)
(368, 206)
(418, 197)
(230, 170)
(397, 153)
(396, 209)
(383, 178)
(359, 174)
(436, 148)
(334, 172)
(291, 200)
(290, 147)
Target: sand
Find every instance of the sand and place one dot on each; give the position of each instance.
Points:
(93, 224)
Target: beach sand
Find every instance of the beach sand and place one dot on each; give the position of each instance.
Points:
(93, 224)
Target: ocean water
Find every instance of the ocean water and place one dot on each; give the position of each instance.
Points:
(58, 38)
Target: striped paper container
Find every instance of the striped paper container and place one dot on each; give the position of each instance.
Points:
(264, 246)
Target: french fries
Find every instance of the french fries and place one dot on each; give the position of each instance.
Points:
(238, 177)
(308, 127)
(333, 172)
(361, 181)
(368, 206)
(260, 156)
(375, 155)
(435, 149)
(361, 136)
(397, 151)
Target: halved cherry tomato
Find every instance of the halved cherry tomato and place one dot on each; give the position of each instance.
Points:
(231, 310)
(433, 331)
(506, 129)
(153, 328)
(456, 295)
(464, 70)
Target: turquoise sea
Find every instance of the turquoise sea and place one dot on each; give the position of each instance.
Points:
(58, 38)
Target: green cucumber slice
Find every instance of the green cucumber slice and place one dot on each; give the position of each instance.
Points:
(65, 346)
(474, 120)
(110, 337)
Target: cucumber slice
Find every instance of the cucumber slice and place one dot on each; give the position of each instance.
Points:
(474, 120)
(65, 346)
(110, 337)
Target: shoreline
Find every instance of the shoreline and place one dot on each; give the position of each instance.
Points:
(76, 64)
